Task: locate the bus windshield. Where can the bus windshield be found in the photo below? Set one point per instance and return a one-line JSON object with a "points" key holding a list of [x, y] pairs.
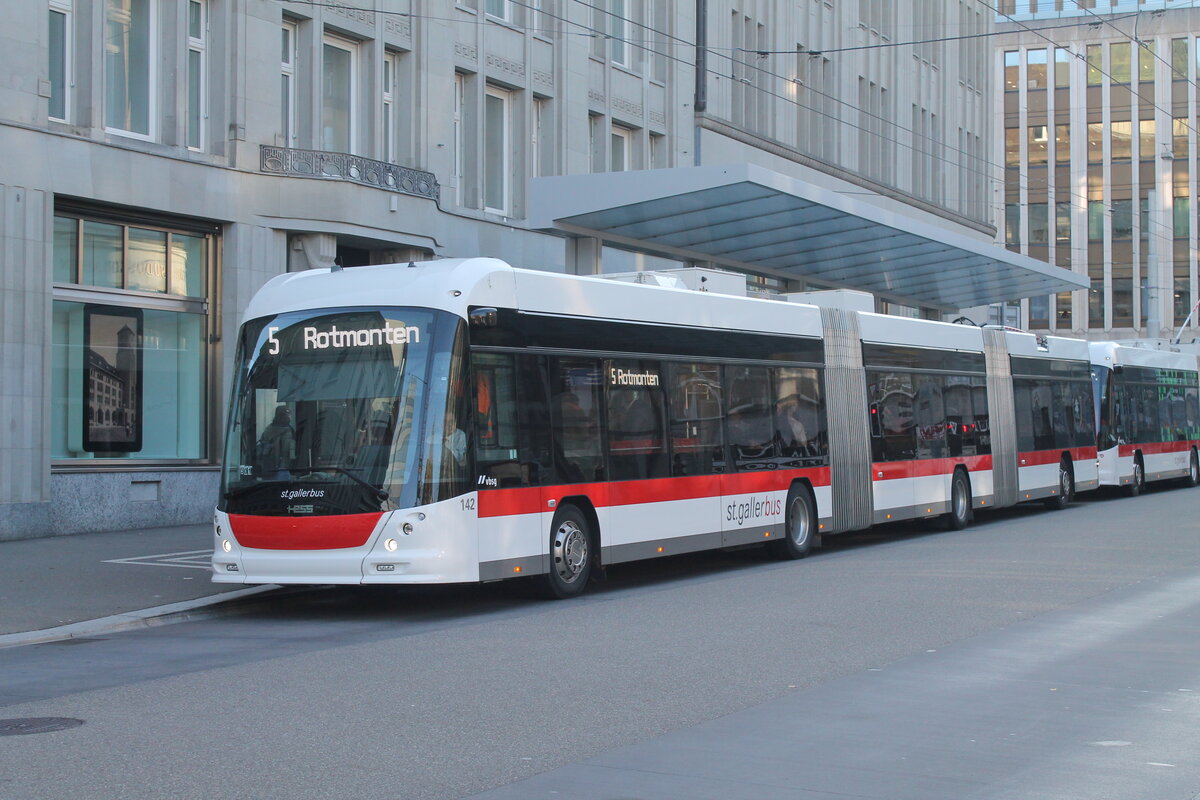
{"points": [[332, 412]]}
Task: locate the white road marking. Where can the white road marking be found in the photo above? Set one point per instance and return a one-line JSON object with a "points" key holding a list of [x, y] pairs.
{"points": [[190, 559]]}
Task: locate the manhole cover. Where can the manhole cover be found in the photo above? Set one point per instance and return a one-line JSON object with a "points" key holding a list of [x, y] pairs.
{"points": [[20, 727]]}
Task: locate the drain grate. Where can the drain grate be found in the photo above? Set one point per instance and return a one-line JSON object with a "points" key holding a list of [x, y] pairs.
{"points": [[26, 725]]}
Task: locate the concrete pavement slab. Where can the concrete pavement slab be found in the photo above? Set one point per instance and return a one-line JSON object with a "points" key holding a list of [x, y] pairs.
{"points": [[62, 581]]}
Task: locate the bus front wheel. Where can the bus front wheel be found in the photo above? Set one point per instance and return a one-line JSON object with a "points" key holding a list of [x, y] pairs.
{"points": [[570, 554], [1193, 476]]}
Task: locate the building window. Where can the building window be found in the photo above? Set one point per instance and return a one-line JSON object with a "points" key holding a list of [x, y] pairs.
{"points": [[496, 109], [1012, 224], [1120, 66], [497, 8], [338, 87], [389, 107], [1146, 139], [1035, 69], [60, 59], [618, 30], [543, 137], [1012, 70], [129, 331], [1062, 68], [1062, 144], [596, 125], [1094, 56], [658, 151], [1062, 224], [620, 149], [457, 170], [1146, 60], [197, 85], [287, 84], [129, 67]]}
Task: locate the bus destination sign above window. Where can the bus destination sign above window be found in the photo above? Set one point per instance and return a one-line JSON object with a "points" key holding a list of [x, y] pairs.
{"points": [[621, 377], [314, 339]]}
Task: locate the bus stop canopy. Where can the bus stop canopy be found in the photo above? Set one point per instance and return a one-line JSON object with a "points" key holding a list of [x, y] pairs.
{"points": [[753, 218]]}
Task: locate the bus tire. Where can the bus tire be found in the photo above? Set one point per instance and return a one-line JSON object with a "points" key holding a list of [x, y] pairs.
{"points": [[800, 525], [959, 515], [1138, 484], [1066, 487], [571, 554], [1193, 476]]}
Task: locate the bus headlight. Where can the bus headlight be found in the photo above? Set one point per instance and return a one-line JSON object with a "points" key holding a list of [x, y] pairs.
{"points": [[407, 528], [226, 545], [390, 545]]}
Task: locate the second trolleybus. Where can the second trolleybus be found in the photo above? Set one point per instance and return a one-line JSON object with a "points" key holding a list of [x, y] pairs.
{"points": [[462, 420]]}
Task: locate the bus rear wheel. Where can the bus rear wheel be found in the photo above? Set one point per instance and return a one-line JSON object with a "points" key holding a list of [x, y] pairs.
{"points": [[1193, 476], [1138, 484], [1066, 487], [959, 515], [570, 554], [800, 523]]}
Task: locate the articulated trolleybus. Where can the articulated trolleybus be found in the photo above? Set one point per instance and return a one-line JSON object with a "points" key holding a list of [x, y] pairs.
{"points": [[462, 420], [1148, 408]]}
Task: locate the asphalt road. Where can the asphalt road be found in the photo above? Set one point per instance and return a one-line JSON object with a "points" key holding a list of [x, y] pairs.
{"points": [[1030, 655]]}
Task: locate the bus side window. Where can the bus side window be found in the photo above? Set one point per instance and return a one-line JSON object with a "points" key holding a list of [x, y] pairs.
{"points": [[1023, 402], [694, 399], [750, 412], [800, 415], [637, 447], [891, 395], [512, 440], [980, 424], [575, 416], [496, 420]]}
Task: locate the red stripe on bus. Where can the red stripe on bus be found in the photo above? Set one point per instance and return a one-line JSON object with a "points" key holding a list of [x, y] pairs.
{"points": [[1156, 447], [1036, 458], [927, 467], [303, 533], [532, 500]]}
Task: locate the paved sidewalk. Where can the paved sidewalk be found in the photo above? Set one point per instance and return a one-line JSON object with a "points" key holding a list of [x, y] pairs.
{"points": [[80, 585]]}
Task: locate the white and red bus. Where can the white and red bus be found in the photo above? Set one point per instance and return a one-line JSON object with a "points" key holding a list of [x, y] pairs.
{"points": [[1148, 412], [462, 420]]}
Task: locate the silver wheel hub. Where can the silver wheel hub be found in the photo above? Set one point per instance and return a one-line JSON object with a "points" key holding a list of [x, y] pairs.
{"points": [[800, 522], [960, 500], [570, 551]]}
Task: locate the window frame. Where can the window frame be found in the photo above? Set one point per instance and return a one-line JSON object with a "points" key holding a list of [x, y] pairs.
{"points": [[65, 8], [391, 69], [505, 97], [199, 47], [624, 135], [351, 48], [287, 71], [152, 126], [196, 311], [618, 34]]}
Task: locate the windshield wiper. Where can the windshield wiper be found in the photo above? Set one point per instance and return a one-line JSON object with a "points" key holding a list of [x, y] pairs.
{"points": [[379, 493]]}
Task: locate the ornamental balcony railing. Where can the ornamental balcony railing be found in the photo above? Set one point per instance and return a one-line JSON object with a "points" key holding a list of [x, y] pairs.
{"points": [[345, 167]]}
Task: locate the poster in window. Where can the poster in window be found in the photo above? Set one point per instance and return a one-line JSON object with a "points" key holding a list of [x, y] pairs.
{"points": [[112, 380]]}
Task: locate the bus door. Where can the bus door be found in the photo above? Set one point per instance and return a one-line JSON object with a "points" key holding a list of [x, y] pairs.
{"points": [[645, 506], [891, 397], [756, 482]]}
